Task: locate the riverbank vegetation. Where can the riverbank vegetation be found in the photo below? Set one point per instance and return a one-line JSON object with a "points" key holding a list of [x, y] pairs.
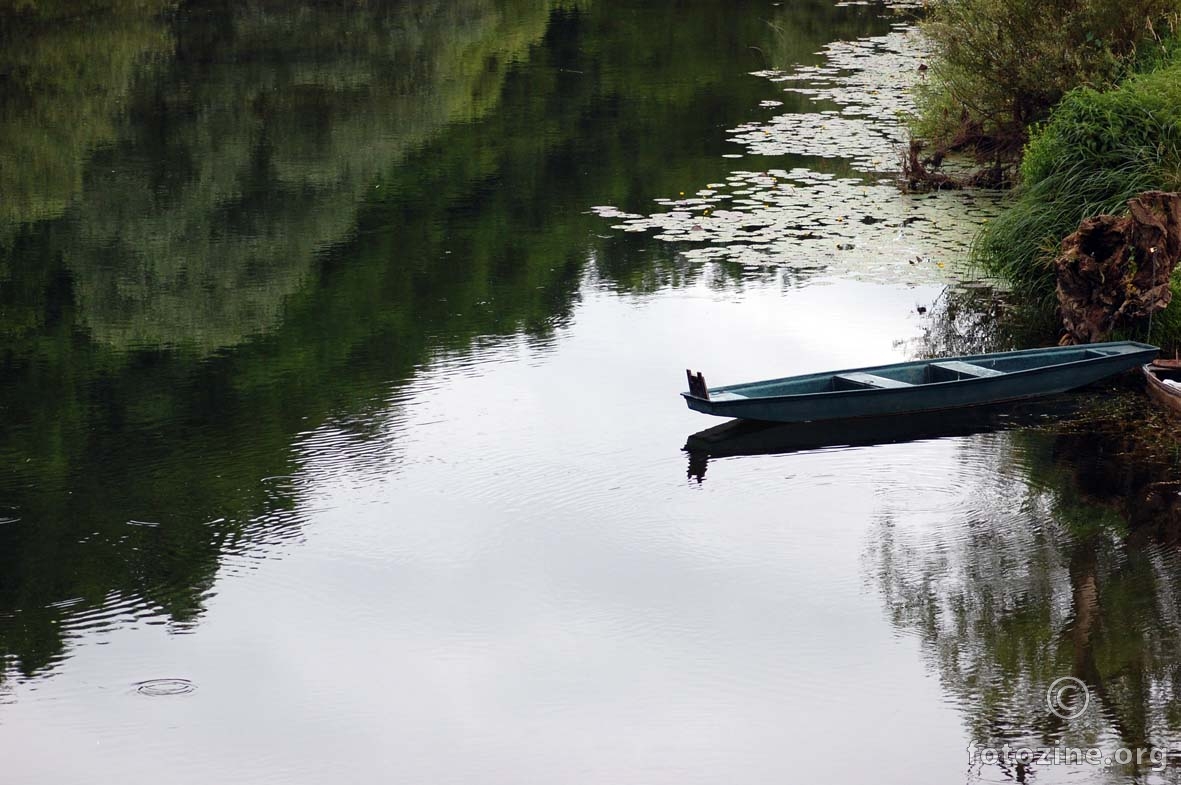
{"points": [[998, 67], [1077, 103], [1099, 149]]}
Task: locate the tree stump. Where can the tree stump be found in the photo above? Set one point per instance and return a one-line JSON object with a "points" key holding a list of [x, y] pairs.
{"points": [[1115, 269]]}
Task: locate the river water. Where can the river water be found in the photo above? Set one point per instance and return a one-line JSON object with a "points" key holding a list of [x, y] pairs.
{"points": [[339, 428]]}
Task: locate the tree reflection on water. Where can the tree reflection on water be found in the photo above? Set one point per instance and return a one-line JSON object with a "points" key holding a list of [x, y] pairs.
{"points": [[1062, 560]]}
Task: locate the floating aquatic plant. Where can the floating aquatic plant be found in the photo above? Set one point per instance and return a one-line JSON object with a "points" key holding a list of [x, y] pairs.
{"points": [[850, 220]]}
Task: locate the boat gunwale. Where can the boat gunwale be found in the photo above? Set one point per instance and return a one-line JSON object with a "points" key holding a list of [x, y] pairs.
{"points": [[914, 363]]}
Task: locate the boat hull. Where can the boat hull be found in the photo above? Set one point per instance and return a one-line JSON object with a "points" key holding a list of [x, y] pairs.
{"points": [[1046, 373], [1160, 392]]}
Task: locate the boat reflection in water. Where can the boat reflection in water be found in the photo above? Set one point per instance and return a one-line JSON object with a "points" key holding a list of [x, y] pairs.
{"points": [[746, 437]]}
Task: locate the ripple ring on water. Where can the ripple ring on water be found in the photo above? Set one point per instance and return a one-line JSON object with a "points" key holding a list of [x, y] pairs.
{"points": [[156, 688]]}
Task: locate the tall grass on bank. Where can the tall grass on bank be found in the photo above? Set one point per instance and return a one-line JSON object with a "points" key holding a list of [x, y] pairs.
{"points": [[1097, 150]]}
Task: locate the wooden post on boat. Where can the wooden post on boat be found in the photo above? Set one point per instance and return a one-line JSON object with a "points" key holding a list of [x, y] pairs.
{"points": [[697, 386]]}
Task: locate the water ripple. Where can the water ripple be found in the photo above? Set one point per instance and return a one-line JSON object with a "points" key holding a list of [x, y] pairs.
{"points": [[158, 688]]}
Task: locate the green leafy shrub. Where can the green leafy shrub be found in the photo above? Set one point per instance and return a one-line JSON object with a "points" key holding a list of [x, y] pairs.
{"points": [[1098, 150], [998, 66]]}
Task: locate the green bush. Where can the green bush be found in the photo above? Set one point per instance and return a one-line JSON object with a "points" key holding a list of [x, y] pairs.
{"points": [[998, 66], [1098, 150]]}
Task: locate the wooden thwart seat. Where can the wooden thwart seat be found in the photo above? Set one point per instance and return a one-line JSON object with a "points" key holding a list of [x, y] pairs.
{"points": [[967, 369], [868, 380]]}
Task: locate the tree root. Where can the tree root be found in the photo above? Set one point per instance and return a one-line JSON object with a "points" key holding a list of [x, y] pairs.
{"points": [[997, 155], [917, 178]]}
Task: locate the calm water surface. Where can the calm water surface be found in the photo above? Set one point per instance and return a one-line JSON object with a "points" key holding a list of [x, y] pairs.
{"points": [[340, 441]]}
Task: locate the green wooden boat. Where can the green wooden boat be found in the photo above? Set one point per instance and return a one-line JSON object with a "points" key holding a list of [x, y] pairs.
{"points": [[919, 386]]}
